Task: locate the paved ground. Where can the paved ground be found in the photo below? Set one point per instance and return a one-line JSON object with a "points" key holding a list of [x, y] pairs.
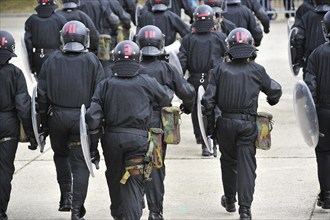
{"points": [[286, 185]]}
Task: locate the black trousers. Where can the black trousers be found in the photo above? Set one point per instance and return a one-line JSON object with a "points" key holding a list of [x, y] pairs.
{"points": [[322, 149], [238, 161], [69, 161], [7, 156], [126, 199], [155, 188]]}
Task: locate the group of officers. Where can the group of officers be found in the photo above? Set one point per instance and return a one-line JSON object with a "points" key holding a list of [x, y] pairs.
{"points": [[124, 95]]}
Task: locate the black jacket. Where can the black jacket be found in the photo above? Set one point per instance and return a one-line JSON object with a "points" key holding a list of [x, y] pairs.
{"points": [[15, 102], [124, 17], [168, 22], [235, 86], [318, 75], [200, 52]]}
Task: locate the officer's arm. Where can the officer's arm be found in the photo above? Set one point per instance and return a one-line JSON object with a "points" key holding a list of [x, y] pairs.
{"points": [[28, 43], [183, 53], [310, 77], [180, 26], [271, 88], [209, 97], [94, 34], [255, 29]]}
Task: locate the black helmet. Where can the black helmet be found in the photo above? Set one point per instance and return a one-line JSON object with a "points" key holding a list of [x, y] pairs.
{"points": [[232, 2], [7, 46], [151, 40], [127, 50], [204, 17], [240, 44], [74, 36], [69, 4], [45, 7], [219, 6], [326, 26], [159, 5]]}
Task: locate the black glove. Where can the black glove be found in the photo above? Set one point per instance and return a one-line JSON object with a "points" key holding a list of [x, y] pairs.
{"points": [[45, 132], [33, 143], [185, 109], [271, 102], [95, 156], [266, 30]]}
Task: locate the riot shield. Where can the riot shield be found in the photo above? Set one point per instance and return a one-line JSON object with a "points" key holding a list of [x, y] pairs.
{"points": [[202, 120], [175, 46], [85, 141], [292, 52], [306, 115], [174, 60], [36, 121], [26, 65]]}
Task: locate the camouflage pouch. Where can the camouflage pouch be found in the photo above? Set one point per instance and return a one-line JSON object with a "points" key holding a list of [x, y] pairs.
{"points": [[103, 51], [155, 146], [264, 127], [171, 124], [22, 136]]}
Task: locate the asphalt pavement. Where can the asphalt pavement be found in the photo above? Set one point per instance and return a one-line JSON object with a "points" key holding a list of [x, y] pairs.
{"points": [[286, 184]]}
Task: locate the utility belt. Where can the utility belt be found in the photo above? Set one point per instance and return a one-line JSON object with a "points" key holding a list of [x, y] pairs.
{"points": [[2, 140], [74, 144], [243, 117], [42, 51], [202, 76], [59, 108], [127, 130]]}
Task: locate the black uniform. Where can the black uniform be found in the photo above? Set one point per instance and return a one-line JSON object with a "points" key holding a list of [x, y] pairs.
{"points": [[76, 14], [309, 36], [168, 22], [125, 139], [106, 22], [259, 12], [68, 80], [15, 106], [130, 7], [234, 88], [42, 36], [199, 53], [306, 6], [318, 81], [165, 74], [243, 17]]}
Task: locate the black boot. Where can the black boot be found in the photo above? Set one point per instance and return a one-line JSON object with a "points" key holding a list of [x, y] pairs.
{"points": [[66, 198], [324, 200], [205, 151], [3, 216], [118, 217], [155, 216], [78, 213], [228, 203], [244, 213]]}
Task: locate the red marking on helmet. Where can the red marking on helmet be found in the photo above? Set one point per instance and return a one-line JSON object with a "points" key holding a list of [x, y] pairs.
{"points": [[127, 50], [3, 41], [158, 1], [202, 15], [241, 37], [149, 34], [212, 0], [71, 28], [44, 1]]}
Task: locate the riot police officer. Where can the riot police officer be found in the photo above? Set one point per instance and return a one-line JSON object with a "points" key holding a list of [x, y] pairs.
{"points": [[15, 108], [42, 34], [234, 88], [200, 51], [243, 17], [126, 125], [317, 79], [310, 35], [151, 42], [106, 22], [67, 80], [221, 24], [71, 12], [168, 22]]}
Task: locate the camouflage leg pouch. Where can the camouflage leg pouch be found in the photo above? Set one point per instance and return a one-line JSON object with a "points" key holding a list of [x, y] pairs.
{"points": [[155, 147], [171, 124], [264, 127]]}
